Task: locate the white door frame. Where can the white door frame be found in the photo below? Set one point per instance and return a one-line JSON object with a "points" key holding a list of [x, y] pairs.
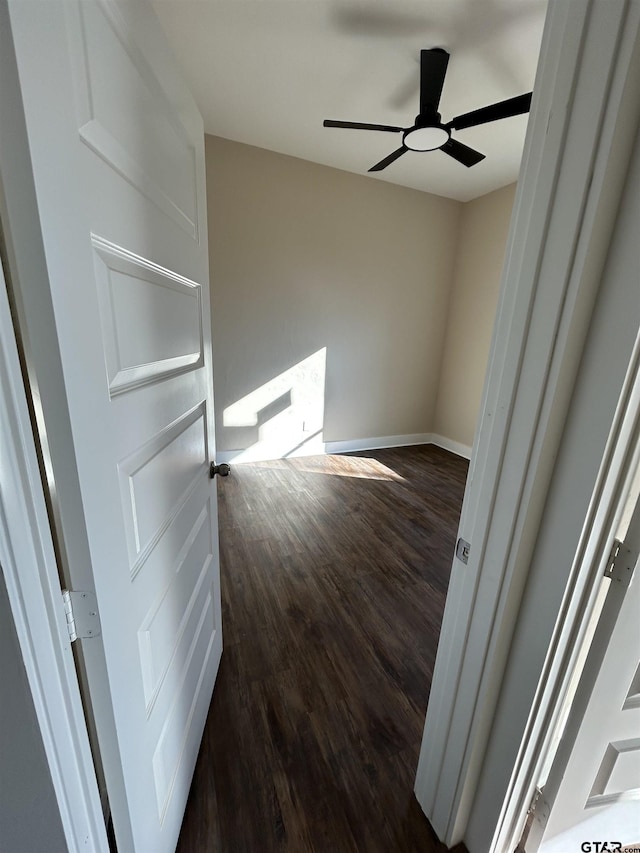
{"points": [[574, 629], [29, 566], [580, 135]]}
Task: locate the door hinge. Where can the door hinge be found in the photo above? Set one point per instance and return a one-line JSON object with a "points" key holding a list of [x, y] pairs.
{"points": [[81, 610], [463, 549], [538, 815], [620, 565]]}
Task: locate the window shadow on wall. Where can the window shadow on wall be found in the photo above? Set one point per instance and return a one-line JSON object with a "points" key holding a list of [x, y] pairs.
{"points": [[283, 417]]}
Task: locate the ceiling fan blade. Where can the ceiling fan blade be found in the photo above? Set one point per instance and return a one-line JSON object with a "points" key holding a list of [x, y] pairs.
{"points": [[433, 68], [504, 109], [462, 153], [388, 160], [357, 125]]}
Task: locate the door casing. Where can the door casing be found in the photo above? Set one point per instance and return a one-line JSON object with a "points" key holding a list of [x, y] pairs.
{"points": [[579, 141]]}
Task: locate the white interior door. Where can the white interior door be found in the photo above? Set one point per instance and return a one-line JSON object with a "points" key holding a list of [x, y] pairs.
{"points": [[594, 781], [117, 151]]}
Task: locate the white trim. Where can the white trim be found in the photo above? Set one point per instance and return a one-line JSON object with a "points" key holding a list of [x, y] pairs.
{"points": [[571, 180], [377, 443], [453, 446], [353, 445], [28, 562], [607, 504]]}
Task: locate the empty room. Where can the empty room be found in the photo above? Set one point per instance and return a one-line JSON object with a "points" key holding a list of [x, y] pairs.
{"points": [[347, 315], [319, 444], [351, 324]]}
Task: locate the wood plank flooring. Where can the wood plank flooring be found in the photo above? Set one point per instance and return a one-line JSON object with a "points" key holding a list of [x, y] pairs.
{"points": [[334, 575]]}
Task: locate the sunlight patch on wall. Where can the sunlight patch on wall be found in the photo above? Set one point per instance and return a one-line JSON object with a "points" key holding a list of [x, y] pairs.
{"points": [[285, 416]]}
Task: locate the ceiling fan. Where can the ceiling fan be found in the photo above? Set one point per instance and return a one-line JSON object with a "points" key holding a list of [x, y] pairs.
{"points": [[429, 133]]}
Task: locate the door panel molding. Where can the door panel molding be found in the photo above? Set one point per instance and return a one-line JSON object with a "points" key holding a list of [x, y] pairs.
{"points": [[622, 757], [169, 753], [181, 448], [97, 107], [130, 290], [160, 645]]}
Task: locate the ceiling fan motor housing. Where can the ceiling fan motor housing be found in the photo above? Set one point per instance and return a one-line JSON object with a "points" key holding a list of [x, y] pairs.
{"points": [[427, 134]]}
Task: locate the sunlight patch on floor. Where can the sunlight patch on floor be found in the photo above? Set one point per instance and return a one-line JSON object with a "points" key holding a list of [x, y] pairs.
{"points": [[360, 467]]}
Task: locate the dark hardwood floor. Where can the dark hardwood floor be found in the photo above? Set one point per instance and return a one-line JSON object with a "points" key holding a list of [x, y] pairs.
{"points": [[334, 575]]}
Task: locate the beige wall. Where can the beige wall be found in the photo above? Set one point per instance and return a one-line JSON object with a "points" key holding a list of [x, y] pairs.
{"points": [[305, 257], [484, 227], [396, 288]]}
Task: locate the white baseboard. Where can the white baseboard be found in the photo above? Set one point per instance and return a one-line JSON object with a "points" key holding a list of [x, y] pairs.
{"points": [[376, 443], [454, 446]]}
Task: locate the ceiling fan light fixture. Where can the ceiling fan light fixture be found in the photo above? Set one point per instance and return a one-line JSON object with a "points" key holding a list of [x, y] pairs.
{"points": [[428, 133], [425, 138]]}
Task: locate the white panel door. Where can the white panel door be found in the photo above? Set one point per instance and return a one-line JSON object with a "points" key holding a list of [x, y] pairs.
{"points": [[594, 781], [117, 150]]}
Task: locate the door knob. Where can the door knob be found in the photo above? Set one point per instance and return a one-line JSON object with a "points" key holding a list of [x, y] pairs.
{"points": [[223, 469]]}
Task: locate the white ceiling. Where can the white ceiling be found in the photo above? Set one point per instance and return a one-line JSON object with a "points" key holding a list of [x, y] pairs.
{"points": [[267, 72]]}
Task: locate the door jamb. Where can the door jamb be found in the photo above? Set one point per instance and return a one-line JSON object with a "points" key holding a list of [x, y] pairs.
{"points": [[31, 574], [612, 490]]}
